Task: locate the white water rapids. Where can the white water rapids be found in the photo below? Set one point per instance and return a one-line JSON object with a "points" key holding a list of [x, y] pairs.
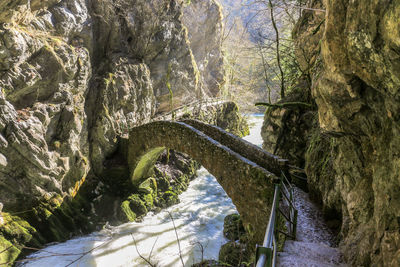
{"points": [[198, 219]]}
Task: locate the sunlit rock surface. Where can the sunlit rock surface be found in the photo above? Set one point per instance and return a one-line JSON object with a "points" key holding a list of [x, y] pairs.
{"points": [[76, 75], [204, 21]]}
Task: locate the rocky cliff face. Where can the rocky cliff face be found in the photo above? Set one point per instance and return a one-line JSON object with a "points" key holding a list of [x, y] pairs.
{"points": [[352, 158], [204, 22], [75, 75], [358, 104], [285, 131]]}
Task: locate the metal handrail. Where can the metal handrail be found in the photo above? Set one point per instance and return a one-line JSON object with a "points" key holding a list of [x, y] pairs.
{"points": [[267, 254], [270, 236]]}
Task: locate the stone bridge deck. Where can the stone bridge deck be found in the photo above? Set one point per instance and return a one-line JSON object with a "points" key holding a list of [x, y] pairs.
{"points": [[248, 150], [245, 171]]}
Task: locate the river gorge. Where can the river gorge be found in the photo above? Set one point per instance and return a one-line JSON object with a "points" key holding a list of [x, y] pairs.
{"points": [[198, 219], [109, 107]]}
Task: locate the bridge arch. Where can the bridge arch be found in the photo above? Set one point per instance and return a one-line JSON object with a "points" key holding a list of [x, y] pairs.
{"points": [[250, 186]]}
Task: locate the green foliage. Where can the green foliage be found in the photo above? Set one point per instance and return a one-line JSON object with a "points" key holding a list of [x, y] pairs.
{"points": [[319, 152], [109, 80], [290, 66]]}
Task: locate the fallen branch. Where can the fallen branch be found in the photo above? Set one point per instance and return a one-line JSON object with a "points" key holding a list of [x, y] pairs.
{"points": [[152, 248], [201, 249], [177, 239], [52, 254], [141, 256], [87, 252]]}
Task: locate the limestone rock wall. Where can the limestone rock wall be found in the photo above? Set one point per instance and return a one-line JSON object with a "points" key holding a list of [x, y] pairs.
{"points": [[358, 105], [352, 158], [204, 21], [75, 75], [44, 83], [157, 36], [285, 131]]}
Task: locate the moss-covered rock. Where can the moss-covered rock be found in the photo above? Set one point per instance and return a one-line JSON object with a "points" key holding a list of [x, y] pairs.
{"points": [[9, 253], [233, 227], [171, 176], [163, 183], [169, 198], [16, 230], [148, 186], [173, 173], [148, 200], [230, 119], [234, 254], [285, 131], [137, 205], [15, 233], [126, 213]]}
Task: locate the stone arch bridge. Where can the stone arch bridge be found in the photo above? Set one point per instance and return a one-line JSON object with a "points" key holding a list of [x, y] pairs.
{"points": [[246, 172]]}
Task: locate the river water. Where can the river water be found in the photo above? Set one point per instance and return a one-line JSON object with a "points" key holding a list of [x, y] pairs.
{"points": [[198, 220]]}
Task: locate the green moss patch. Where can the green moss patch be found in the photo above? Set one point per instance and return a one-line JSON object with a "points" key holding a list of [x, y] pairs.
{"points": [[126, 213], [8, 252], [148, 186], [16, 230], [233, 227], [146, 164]]}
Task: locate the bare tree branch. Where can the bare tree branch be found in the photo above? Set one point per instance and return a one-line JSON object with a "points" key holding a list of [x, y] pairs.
{"points": [[177, 239], [140, 255], [278, 54]]}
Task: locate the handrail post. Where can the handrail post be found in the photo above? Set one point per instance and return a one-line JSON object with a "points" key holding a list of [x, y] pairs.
{"points": [[275, 253], [295, 223], [266, 255]]}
